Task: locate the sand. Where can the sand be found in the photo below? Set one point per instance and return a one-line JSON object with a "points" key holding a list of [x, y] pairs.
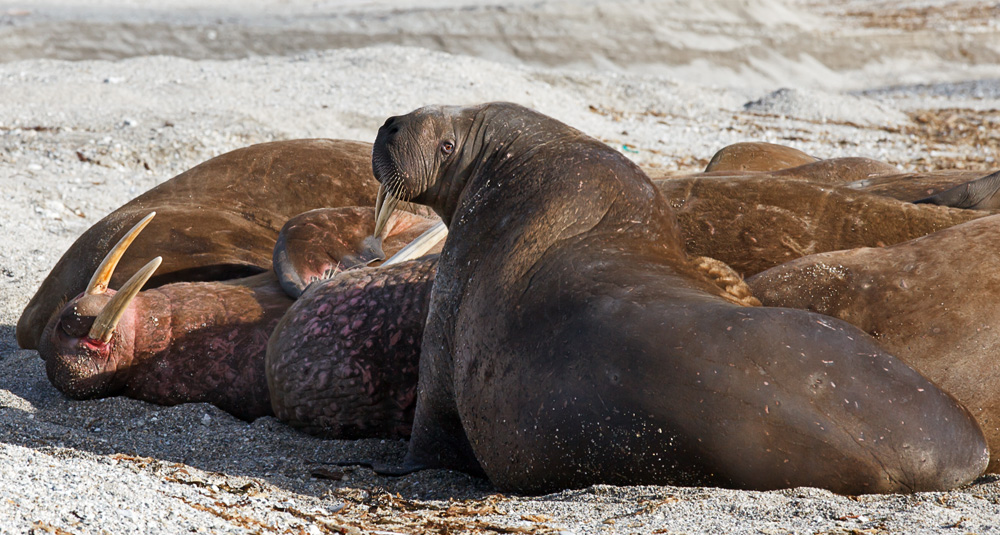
{"points": [[103, 99]]}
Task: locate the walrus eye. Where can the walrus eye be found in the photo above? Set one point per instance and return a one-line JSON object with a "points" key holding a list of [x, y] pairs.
{"points": [[447, 147]]}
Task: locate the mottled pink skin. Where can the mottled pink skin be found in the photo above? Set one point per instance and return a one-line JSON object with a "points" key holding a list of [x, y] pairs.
{"points": [[183, 342], [343, 361], [206, 341]]}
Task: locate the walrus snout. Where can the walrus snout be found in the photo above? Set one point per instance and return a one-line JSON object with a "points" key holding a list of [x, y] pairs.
{"points": [[389, 127]]}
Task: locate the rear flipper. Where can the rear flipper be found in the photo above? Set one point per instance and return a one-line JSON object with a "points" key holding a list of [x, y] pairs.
{"points": [[979, 194]]}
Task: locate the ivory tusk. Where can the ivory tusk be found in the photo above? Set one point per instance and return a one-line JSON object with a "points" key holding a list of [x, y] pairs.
{"points": [[107, 320], [99, 282], [419, 247]]}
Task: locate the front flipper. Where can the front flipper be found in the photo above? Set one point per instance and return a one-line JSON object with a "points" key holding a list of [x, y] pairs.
{"points": [[318, 244], [384, 469], [979, 194]]}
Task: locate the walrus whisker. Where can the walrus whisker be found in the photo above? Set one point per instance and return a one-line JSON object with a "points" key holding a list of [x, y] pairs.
{"points": [[99, 282], [107, 320], [419, 247], [379, 200]]}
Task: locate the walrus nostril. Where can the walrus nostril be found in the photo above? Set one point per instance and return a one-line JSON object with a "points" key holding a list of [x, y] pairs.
{"points": [[390, 127]]}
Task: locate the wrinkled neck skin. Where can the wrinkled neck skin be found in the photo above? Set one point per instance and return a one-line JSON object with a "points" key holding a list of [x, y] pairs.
{"points": [[513, 188]]}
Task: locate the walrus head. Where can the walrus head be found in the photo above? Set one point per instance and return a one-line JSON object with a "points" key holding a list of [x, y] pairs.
{"points": [[83, 346], [428, 155], [410, 154]]}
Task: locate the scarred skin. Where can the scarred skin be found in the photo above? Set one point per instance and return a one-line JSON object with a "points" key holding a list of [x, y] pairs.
{"points": [[570, 341], [183, 342], [216, 221], [196, 341], [322, 370]]}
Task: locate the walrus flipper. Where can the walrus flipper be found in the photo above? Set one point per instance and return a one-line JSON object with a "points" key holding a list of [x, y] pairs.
{"points": [[312, 247], [438, 439], [979, 194], [384, 469]]}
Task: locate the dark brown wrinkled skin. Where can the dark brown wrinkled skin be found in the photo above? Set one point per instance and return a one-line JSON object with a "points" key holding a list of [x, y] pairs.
{"points": [[343, 361], [755, 223], [204, 341], [569, 342], [930, 301], [183, 342], [757, 156], [216, 221], [312, 246]]}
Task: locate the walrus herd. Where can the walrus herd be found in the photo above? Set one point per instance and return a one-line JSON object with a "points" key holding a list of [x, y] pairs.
{"points": [[777, 320]]}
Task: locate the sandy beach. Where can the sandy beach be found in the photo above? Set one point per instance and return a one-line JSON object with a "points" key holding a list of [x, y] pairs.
{"points": [[104, 99]]}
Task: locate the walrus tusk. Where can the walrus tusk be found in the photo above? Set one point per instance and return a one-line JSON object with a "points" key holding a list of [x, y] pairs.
{"points": [[99, 282], [385, 204], [419, 247], [107, 320]]}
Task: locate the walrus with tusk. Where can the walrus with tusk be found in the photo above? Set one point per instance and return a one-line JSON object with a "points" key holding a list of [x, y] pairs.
{"points": [[207, 341], [570, 340]]}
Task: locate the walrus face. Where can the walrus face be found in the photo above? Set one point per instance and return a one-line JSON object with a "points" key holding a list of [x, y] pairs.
{"points": [[88, 341], [414, 153]]}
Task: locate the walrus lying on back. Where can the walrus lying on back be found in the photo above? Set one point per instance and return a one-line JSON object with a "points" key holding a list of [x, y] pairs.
{"points": [[570, 341]]}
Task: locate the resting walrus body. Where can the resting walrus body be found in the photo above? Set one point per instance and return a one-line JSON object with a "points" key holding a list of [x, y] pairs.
{"points": [[756, 222], [570, 341], [205, 341], [931, 301], [216, 221]]}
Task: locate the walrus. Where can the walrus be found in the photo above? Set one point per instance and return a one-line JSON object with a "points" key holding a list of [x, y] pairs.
{"points": [[570, 341], [757, 156], [206, 341], [317, 244], [216, 221], [754, 223], [872, 176], [371, 320], [930, 301], [914, 186]]}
